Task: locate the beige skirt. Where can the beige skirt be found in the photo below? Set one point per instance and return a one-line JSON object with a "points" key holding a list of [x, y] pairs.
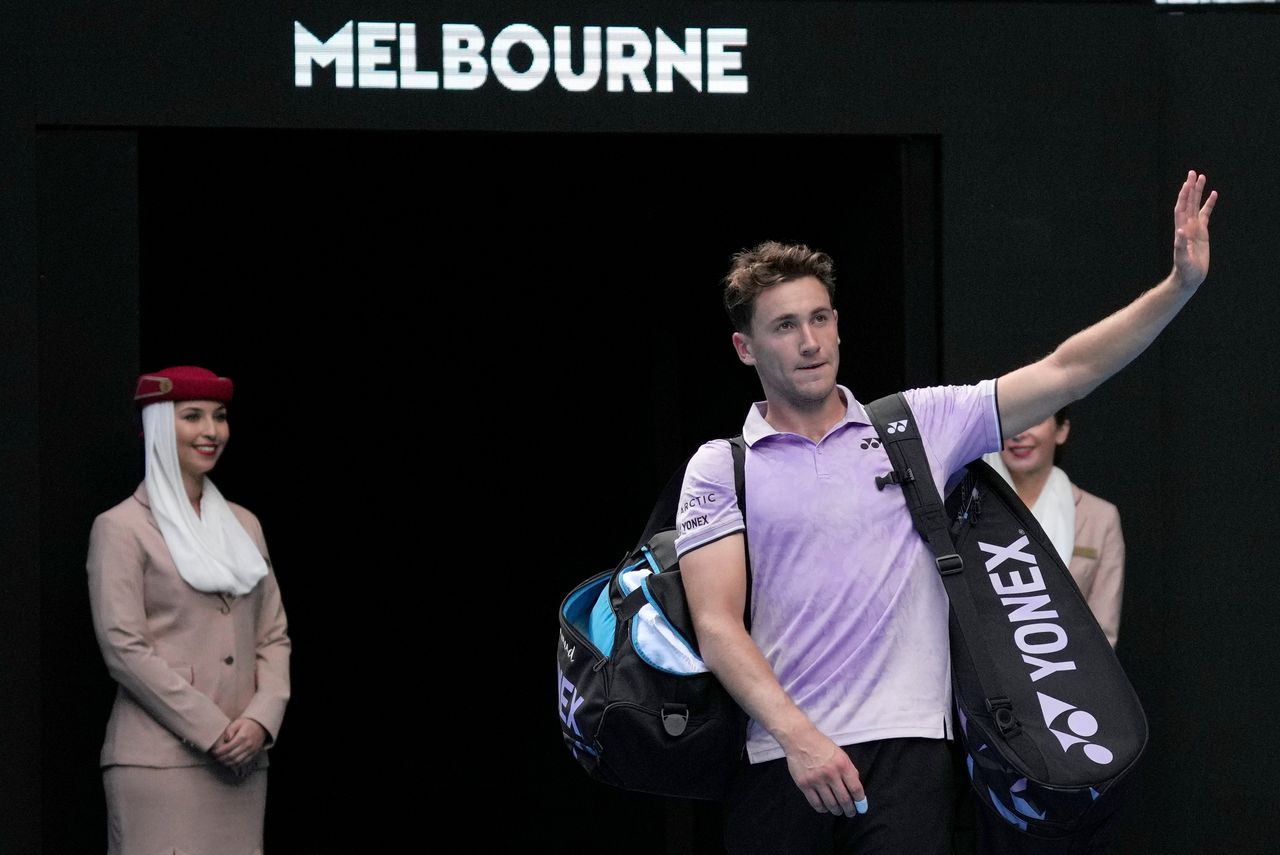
{"points": [[191, 810]]}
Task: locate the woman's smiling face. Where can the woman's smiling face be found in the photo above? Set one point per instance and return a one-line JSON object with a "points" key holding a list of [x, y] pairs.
{"points": [[202, 433], [1031, 451]]}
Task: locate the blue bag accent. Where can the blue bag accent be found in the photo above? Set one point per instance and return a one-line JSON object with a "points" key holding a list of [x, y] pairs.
{"points": [[1022, 806], [1008, 815], [603, 623], [648, 557], [574, 611]]}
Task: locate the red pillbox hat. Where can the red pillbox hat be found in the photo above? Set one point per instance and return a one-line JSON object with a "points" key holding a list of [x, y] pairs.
{"points": [[182, 383]]}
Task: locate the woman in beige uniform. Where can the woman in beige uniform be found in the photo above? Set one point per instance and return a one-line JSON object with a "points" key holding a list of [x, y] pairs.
{"points": [[188, 615]]}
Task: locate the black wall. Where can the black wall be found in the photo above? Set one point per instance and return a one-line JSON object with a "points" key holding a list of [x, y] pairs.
{"points": [[1058, 135], [583, 364]]}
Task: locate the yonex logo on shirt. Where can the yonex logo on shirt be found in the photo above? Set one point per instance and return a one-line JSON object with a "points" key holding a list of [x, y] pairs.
{"points": [[690, 525]]}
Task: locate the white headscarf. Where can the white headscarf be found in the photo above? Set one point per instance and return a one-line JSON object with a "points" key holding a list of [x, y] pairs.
{"points": [[212, 551], [1055, 508]]}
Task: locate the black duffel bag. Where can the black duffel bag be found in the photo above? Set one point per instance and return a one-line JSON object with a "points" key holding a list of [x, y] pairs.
{"points": [[638, 708]]}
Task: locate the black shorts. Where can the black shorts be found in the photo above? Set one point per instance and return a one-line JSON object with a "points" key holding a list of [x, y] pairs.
{"points": [[911, 787]]}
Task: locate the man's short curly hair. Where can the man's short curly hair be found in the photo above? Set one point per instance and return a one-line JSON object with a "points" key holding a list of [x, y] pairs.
{"points": [[754, 270]]}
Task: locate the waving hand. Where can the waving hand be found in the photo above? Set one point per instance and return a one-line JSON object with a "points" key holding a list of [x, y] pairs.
{"points": [[1191, 232]]}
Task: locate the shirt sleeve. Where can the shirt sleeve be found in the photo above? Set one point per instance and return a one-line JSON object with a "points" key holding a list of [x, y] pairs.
{"points": [[958, 424], [708, 508]]}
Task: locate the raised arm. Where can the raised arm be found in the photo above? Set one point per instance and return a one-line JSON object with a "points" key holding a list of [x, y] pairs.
{"points": [[1080, 364], [715, 581]]}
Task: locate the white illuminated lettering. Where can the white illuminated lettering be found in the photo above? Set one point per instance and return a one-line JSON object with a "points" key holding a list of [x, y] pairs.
{"points": [[461, 45], [591, 64], [338, 50], [373, 47], [627, 51], [411, 77], [386, 55], [670, 56], [721, 60], [500, 57]]}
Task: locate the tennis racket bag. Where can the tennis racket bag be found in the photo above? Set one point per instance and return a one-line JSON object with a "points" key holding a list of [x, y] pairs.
{"points": [[1049, 720], [638, 707]]}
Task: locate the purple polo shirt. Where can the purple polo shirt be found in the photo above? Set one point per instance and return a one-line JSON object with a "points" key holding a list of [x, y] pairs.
{"points": [[846, 604]]}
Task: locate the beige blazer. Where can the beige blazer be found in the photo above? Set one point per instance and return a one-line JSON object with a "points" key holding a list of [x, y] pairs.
{"points": [[1097, 562], [187, 663]]}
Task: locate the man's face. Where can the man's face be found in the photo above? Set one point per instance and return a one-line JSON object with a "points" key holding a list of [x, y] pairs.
{"points": [[793, 343]]}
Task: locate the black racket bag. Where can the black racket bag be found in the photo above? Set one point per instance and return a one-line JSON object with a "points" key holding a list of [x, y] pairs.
{"points": [[1050, 722]]}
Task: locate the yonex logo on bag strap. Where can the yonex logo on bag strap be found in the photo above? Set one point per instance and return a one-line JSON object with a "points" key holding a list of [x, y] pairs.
{"points": [[897, 427], [1080, 723]]}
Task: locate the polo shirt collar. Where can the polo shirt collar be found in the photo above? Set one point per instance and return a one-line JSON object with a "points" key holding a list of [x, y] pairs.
{"points": [[755, 428]]}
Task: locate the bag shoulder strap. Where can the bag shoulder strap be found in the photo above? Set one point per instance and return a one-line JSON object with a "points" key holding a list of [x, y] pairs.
{"points": [[665, 508], [894, 422], [739, 448]]}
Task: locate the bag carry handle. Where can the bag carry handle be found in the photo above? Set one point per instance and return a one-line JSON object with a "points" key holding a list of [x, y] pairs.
{"points": [[894, 422]]}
